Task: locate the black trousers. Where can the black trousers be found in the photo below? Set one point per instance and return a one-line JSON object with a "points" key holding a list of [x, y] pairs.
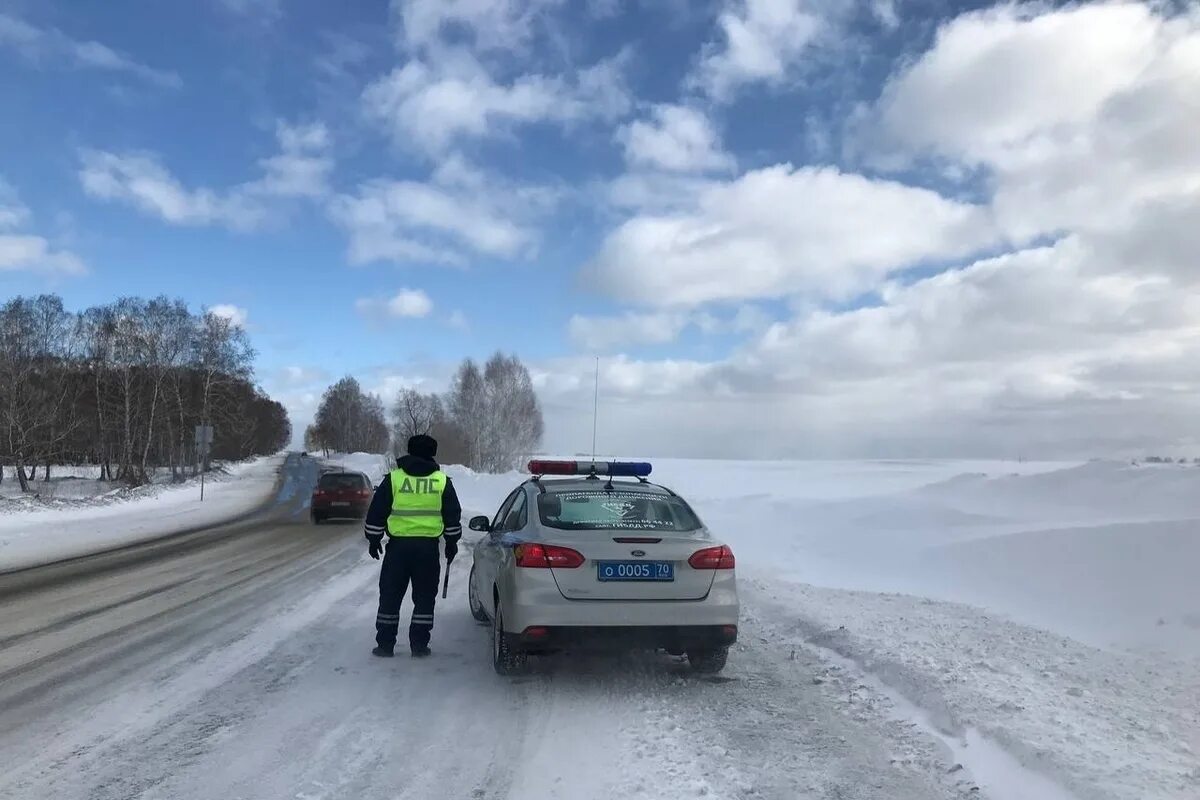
{"points": [[408, 559]]}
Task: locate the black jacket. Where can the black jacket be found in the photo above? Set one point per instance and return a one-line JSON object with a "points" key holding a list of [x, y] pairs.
{"points": [[381, 504]]}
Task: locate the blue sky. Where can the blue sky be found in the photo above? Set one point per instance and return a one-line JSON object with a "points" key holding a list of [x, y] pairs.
{"points": [[775, 206]]}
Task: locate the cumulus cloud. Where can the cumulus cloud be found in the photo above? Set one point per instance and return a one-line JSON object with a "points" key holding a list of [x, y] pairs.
{"points": [[603, 334], [236, 315], [405, 304], [1078, 123], [298, 376], [759, 41], [433, 106], [50, 46], [505, 25], [676, 139], [23, 251], [783, 230], [459, 213], [299, 170], [1080, 116]]}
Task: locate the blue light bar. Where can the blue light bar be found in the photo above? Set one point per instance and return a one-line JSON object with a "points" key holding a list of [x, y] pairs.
{"points": [[629, 469]]}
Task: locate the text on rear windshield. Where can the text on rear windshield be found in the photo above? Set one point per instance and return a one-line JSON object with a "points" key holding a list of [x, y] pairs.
{"points": [[598, 510]]}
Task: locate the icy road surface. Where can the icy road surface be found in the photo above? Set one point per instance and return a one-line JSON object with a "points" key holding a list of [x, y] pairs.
{"points": [[235, 664]]}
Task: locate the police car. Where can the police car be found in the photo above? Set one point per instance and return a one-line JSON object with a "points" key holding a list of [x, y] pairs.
{"points": [[583, 561]]}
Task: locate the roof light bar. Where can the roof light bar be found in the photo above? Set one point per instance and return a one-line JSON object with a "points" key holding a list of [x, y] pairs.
{"points": [[624, 469]]}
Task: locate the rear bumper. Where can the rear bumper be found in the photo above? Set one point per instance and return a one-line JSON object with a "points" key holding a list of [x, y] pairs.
{"points": [[625, 637], [356, 510]]}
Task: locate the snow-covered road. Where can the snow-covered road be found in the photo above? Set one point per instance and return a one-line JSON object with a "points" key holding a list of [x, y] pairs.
{"points": [[237, 665], [234, 663]]}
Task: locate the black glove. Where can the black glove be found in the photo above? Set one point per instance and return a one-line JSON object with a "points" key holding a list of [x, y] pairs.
{"points": [[375, 547], [451, 549]]}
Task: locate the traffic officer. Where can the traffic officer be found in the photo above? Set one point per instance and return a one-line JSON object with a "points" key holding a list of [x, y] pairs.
{"points": [[415, 505]]}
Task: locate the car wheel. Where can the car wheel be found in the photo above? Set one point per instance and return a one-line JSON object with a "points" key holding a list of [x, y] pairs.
{"points": [[317, 519], [506, 659], [708, 661], [477, 610]]}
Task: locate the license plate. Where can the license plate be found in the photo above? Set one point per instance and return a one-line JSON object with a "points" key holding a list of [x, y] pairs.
{"points": [[341, 503], [635, 571]]}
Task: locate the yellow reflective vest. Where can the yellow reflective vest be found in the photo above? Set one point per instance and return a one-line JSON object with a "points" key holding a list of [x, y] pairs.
{"points": [[416, 504]]}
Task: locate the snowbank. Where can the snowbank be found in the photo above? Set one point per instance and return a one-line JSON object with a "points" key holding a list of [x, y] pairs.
{"points": [[1103, 552], [1107, 726], [34, 533]]}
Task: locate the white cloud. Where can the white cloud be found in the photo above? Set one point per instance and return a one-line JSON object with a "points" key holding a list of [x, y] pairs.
{"points": [[235, 314], [1095, 116], [13, 213], [298, 376], [676, 139], [140, 180], [1053, 351], [885, 11], [1080, 123], [782, 230], [460, 213], [303, 165], [603, 334], [432, 106], [35, 254], [23, 251], [265, 11], [405, 304], [1005, 76], [656, 191], [49, 46], [760, 41], [299, 170], [458, 320], [505, 25]]}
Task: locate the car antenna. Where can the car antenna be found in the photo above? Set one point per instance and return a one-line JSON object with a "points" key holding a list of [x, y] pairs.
{"points": [[595, 408]]}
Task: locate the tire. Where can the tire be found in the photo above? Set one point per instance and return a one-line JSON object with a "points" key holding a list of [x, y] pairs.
{"points": [[317, 519], [708, 662], [506, 659], [477, 610]]}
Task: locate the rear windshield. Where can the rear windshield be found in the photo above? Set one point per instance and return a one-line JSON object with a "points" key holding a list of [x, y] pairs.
{"points": [[337, 481], [600, 510]]}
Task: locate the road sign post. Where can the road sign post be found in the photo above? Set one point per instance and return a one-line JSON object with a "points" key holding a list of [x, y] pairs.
{"points": [[204, 439]]}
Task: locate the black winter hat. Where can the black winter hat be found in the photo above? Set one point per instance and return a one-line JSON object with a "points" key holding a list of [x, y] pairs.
{"points": [[422, 446]]}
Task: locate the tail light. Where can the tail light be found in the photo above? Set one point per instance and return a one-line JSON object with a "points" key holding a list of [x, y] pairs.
{"points": [[364, 492], [545, 556], [319, 493], [712, 558]]}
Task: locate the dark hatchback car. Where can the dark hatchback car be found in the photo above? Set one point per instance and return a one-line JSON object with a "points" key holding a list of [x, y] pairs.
{"points": [[341, 495]]}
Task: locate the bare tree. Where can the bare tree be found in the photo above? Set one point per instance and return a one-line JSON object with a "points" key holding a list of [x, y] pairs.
{"points": [[513, 415], [414, 413], [125, 383], [467, 404], [349, 420], [495, 413]]}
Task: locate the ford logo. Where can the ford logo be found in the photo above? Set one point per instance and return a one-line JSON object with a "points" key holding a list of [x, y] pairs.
{"points": [[638, 553]]}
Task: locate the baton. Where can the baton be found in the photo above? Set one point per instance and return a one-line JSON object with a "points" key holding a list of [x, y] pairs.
{"points": [[446, 582]]}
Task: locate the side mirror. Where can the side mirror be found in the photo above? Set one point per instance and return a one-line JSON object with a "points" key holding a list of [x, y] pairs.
{"points": [[480, 524]]}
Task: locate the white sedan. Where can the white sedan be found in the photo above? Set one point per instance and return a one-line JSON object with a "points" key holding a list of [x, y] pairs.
{"points": [[585, 563]]}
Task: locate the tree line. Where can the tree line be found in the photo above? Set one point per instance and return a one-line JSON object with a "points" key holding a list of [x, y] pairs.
{"points": [[124, 385], [489, 420]]}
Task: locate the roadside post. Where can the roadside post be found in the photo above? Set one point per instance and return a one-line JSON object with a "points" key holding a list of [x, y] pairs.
{"points": [[204, 439]]}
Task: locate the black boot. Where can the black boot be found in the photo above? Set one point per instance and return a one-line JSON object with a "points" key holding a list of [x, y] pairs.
{"points": [[382, 652], [421, 651]]}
